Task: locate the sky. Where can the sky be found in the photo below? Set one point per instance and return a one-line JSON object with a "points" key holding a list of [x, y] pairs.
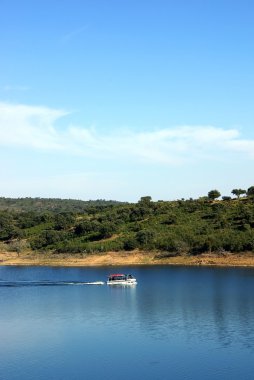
{"points": [[119, 99]]}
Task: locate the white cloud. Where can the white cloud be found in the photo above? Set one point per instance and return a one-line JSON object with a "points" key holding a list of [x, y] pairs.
{"points": [[242, 146], [35, 127], [28, 126]]}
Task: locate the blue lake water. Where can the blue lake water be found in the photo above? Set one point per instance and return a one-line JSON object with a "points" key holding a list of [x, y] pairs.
{"points": [[177, 323]]}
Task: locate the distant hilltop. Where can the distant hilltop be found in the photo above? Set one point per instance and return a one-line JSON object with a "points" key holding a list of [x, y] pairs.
{"points": [[77, 205], [52, 204]]}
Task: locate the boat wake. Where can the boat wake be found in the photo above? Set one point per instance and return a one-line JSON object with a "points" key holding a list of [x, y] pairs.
{"points": [[17, 284]]}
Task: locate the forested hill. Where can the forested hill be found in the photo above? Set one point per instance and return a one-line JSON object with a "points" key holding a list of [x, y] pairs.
{"points": [[182, 227], [51, 204]]}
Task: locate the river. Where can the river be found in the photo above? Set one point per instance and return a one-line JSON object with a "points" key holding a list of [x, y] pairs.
{"points": [[177, 323]]}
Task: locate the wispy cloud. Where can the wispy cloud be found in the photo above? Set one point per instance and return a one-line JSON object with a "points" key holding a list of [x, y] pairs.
{"points": [[73, 33], [27, 126], [35, 127]]}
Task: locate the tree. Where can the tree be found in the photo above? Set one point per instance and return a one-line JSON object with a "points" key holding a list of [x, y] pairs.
{"points": [[238, 192], [250, 192], [130, 243], [226, 198], [145, 200], [63, 220], [213, 194], [107, 230], [87, 226], [47, 237], [145, 236]]}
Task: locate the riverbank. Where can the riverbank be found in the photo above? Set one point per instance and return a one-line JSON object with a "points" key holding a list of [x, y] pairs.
{"points": [[122, 259]]}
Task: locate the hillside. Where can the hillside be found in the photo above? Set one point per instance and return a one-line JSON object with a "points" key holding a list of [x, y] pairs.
{"points": [[176, 228], [51, 204]]}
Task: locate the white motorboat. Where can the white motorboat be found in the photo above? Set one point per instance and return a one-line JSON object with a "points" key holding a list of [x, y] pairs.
{"points": [[121, 279]]}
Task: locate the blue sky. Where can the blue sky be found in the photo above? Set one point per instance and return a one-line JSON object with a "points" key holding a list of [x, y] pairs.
{"points": [[120, 99]]}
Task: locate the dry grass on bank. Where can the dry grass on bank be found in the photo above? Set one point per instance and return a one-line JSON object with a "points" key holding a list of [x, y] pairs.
{"points": [[123, 258]]}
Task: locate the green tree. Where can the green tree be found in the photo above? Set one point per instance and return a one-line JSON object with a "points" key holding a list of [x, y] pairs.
{"points": [[250, 192], [8, 230], [145, 236], [63, 220], [87, 226], [238, 192], [47, 237], [130, 243], [213, 194], [107, 230], [145, 200], [226, 198]]}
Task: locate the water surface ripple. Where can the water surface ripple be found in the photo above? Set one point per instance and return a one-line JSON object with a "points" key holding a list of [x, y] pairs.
{"points": [[177, 323]]}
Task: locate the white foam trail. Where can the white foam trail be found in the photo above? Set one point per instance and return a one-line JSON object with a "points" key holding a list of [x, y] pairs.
{"points": [[46, 283]]}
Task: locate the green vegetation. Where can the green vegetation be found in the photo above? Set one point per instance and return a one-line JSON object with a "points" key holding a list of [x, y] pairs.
{"points": [[182, 227], [52, 204], [213, 194]]}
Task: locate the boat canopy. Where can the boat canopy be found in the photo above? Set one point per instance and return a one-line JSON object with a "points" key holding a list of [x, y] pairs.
{"points": [[117, 275]]}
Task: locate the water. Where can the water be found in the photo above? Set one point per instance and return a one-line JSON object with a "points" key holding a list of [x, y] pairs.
{"points": [[177, 323]]}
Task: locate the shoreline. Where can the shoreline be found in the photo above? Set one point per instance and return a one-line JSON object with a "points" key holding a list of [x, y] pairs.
{"points": [[123, 259]]}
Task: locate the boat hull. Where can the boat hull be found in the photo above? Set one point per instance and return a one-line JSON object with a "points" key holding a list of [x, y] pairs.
{"points": [[120, 282]]}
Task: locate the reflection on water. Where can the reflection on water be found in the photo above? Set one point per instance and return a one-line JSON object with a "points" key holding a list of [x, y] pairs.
{"points": [[203, 303], [173, 321]]}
